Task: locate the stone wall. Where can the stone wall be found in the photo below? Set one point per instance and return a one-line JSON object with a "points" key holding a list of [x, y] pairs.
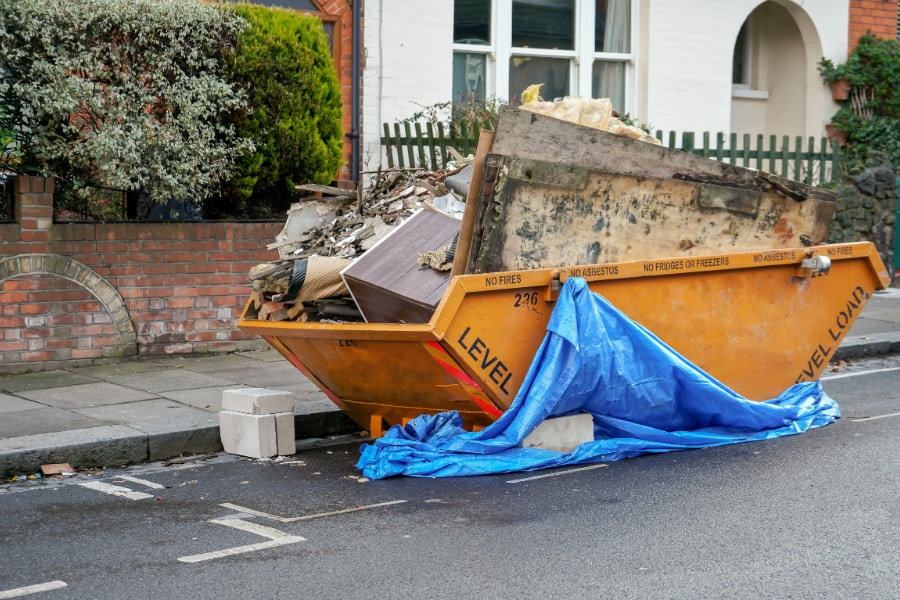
{"points": [[75, 294], [867, 209]]}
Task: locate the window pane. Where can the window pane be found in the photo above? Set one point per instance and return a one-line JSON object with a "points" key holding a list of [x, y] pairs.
{"points": [[739, 60], [543, 24], [608, 81], [612, 26], [472, 22], [552, 72], [468, 77], [329, 31]]}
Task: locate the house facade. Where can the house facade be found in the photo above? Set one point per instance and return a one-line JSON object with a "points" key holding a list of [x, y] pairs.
{"points": [[742, 66]]}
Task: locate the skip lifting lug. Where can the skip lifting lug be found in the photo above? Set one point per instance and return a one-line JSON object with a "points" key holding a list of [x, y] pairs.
{"points": [[555, 286], [815, 266]]}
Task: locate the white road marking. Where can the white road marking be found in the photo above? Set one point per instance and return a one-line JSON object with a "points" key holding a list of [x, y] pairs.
{"points": [[896, 414], [33, 589], [858, 373], [115, 490], [276, 538], [143, 482], [259, 513], [556, 474]]}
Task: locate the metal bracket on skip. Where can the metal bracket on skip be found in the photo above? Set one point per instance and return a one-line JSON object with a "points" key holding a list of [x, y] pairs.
{"points": [[815, 266]]}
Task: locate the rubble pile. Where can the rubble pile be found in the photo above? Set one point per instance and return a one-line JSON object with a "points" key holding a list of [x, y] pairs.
{"points": [[340, 226]]}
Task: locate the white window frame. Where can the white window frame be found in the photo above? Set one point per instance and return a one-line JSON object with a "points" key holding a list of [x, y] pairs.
{"points": [[749, 88], [500, 51]]}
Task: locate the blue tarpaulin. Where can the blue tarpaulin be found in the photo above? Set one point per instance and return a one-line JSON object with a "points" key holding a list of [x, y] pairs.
{"points": [[643, 396]]}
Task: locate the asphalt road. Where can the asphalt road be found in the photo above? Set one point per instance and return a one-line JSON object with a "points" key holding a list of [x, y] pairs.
{"points": [[809, 516]]}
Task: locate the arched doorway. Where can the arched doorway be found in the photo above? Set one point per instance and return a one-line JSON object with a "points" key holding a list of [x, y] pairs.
{"points": [[772, 90]]}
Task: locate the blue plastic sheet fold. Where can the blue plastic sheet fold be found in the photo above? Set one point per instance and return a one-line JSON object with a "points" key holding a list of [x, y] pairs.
{"points": [[643, 397]]}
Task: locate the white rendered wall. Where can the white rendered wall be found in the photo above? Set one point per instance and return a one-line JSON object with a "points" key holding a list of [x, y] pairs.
{"points": [[689, 52], [408, 64], [684, 58]]}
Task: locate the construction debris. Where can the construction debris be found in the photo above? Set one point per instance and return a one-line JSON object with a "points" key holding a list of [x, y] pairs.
{"points": [[389, 282], [559, 183], [57, 469], [596, 113], [440, 259], [322, 235]]}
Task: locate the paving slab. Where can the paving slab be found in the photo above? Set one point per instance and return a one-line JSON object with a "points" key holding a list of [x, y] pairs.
{"points": [[124, 368], [204, 398], [873, 324], [15, 404], [142, 411], [311, 406], [263, 375], [43, 420], [86, 395], [44, 379], [306, 391], [267, 355], [169, 380], [205, 364]]}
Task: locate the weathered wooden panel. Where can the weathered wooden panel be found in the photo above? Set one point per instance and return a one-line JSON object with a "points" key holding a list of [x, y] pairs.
{"points": [[548, 214], [525, 134]]}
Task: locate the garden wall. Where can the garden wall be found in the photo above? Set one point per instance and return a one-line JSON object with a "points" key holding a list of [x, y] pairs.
{"points": [[75, 294], [866, 209]]}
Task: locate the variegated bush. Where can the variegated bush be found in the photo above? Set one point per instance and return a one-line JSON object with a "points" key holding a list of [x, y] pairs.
{"points": [[124, 94]]}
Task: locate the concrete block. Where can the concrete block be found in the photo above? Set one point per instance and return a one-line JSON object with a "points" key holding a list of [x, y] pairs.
{"points": [[257, 401], [562, 434], [284, 434], [248, 435]]}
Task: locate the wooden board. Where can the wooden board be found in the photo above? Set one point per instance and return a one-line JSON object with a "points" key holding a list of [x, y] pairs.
{"points": [[461, 259], [525, 134], [387, 282], [539, 214]]}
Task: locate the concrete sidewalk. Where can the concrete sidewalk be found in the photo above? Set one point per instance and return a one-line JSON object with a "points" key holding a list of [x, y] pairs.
{"points": [[146, 410], [160, 408]]}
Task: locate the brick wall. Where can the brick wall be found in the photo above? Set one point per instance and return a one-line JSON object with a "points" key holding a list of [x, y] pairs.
{"points": [[878, 17], [79, 293]]}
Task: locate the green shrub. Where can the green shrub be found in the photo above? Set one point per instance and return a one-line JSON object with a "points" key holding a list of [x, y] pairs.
{"points": [[123, 94], [284, 63], [871, 117]]}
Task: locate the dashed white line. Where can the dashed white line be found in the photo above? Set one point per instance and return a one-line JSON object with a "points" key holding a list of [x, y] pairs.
{"points": [[858, 373], [557, 473], [889, 415], [276, 538], [259, 513], [33, 589], [115, 490], [143, 482]]}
